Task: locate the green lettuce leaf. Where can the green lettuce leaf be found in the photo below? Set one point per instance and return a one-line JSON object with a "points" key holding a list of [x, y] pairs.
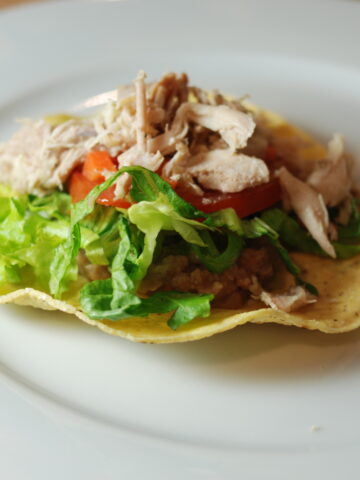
{"points": [[257, 227], [32, 232], [147, 185], [29, 236], [296, 237], [56, 205], [226, 218], [116, 298], [290, 232], [344, 250], [351, 231], [159, 208], [40, 234], [97, 302], [186, 306], [215, 260]]}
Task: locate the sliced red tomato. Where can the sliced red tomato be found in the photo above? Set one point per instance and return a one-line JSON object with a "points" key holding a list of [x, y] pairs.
{"points": [[91, 174], [95, 163], [270, 154], [107, 199], [80, 186], [172, 183], [245, 203]]}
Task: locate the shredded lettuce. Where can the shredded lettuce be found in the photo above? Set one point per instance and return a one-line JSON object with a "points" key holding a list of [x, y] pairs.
{"points": [[218, 261], [297, 238], [29, 236], [32, 232], [290, 231], [351, 231], [116, 298], [257, 227], [40, 239], [159, 208]]}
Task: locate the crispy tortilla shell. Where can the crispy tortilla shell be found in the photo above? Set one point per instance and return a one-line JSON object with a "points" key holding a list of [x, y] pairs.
{"points": [[336, 311]]}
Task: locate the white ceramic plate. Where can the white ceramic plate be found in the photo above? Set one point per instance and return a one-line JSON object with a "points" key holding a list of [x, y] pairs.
{"points": [[257, 402]]}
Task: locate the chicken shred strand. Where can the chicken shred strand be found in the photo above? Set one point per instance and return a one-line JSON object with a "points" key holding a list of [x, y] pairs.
{"points": [[309, 207], [331, 177], [289, 301]]}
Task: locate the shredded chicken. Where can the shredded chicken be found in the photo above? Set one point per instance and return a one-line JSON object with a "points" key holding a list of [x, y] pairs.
{"points": [[227, 172], [176, 169], [235, 127], [141, 113], [212, 168], [143, 125], [203, 140], [39, 158], [168, 94], [310, 208], [138, 154], [331, 177], [295, 298], [135, 156]]}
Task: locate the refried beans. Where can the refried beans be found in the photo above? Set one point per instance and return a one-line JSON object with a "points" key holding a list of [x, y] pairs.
{"points": [[230, 288]]}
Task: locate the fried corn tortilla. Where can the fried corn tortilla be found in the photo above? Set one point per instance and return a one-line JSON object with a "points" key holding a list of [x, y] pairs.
{"points": [[337, 309]]}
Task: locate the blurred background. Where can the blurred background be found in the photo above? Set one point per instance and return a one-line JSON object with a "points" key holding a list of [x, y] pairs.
{"points": [[10, 3]]}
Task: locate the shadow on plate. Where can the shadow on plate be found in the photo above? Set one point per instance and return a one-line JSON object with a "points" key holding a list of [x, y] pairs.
{"points": [[251, 351], [39, 318], [266, 352]]}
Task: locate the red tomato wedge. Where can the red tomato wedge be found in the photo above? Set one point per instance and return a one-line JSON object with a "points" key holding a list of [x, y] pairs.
{"points": [[84, 180], [172, 183], [107, 199], [80, 186], [95, 164], [245, 203]]}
